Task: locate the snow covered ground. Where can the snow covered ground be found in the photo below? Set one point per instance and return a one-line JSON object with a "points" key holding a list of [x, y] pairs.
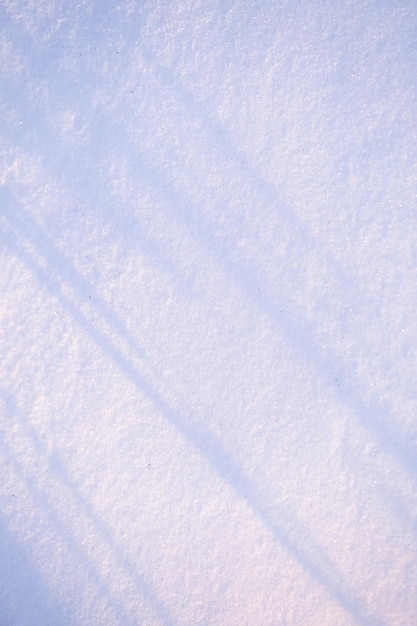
{"points": [[208, 278]]}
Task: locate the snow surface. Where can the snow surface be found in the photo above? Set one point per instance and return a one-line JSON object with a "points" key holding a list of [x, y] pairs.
{"points": [[208, 286]]}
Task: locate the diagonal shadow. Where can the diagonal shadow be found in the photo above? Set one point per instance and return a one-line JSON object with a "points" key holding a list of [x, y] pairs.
{"points": [[374, 416], [75, 167], [217, 136], [288, 532], [30, 128], [45, 503], [256, 288], [22, 589], [65, 272]]}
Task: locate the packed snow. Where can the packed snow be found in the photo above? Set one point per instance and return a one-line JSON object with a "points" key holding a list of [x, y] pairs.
{"points": [[208, 278]]}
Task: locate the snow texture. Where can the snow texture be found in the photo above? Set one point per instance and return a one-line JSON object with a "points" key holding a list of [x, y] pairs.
{"points": [[208, 286]]}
